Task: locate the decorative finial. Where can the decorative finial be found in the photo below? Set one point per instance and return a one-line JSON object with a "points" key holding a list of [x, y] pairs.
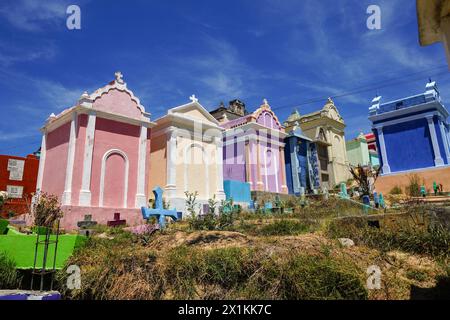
{"points": [[193, 98], [85, 95], [119, 77], [265, 102]]}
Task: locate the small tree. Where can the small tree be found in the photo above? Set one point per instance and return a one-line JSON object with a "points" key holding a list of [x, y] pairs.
{"points": [[3, 198], [212, 204], [191, 202], [46, 210], [365, 177]]}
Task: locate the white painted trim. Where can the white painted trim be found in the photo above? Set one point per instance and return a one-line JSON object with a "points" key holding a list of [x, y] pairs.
{"points": [[220, 193], [85, 192], [444, 140], [186, 164], [254, 137], [276, 169], [171, 167], [41, 162], [386, 168], [415, 170], [438, 161], [266, 179], [141, 199], [102, 175], [67, 195], [197, 106], [66, 115], [403, 111], [255, 126], [120, 87], [406, 119]]}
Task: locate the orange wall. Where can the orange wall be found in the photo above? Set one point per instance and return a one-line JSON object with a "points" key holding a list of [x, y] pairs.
{"points": [[385, 184], [158, 164]]}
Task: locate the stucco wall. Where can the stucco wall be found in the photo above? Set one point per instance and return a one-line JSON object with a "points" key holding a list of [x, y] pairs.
{"points": [[158, 164], [56, 160], [439, 175], [113, 135], [118, 102], [408, 145]]}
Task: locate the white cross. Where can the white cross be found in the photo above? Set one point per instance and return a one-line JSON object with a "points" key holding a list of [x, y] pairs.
{"points": [[119, 76], [193, 98]]}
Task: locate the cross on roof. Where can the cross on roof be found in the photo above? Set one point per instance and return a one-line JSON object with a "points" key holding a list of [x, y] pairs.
{"points": [[119, 76], [193, 98]]}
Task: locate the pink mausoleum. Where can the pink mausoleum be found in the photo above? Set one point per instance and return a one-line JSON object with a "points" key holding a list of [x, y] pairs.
{"points": [[94, 156]]}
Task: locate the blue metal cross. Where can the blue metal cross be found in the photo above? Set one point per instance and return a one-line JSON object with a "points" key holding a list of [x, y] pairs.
{"points": [[159, 212]]}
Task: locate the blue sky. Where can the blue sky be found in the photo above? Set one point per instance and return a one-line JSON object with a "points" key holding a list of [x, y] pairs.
{"points": [[289, 52]]}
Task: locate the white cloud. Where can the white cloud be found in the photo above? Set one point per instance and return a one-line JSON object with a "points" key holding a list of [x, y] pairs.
{"points": [[31, 15]]}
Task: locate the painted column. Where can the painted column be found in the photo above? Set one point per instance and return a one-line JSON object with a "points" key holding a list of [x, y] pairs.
{"points": [[282, 167], [141, 199], [220, 193], [171, 186], [41, 162], [67, 195], [386, 168], [294, 166], [437, 153], [248, 177], [444, 140], [259, 184], [85, 192]]}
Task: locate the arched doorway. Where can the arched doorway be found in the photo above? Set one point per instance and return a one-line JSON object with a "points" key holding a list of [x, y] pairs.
{"points": [[114, 179]]}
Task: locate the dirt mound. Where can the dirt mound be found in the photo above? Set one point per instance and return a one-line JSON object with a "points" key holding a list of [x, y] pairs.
{"points": [[203, 239]]}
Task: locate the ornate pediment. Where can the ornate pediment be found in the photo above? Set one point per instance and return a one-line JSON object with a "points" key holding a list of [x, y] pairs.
{"points": [[330, 111]]}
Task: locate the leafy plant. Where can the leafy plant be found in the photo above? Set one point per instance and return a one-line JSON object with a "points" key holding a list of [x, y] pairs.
{"points": [[9, 278], [413, 187], [191, 203], [396, 190]]}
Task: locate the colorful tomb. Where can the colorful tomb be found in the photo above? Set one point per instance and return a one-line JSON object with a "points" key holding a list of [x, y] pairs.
{"points": [[373, 151], [358, 151], [302, 163], [253, 151], [94, 156], [412, 133], [326, 128], [186, 155]]}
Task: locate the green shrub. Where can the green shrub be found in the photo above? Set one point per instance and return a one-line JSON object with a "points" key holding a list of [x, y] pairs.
{"points": [[3, 226], [434, 241], [416, 275], [303, 277], [396, 190], [9, 278], [413, 188], [284, 228]]}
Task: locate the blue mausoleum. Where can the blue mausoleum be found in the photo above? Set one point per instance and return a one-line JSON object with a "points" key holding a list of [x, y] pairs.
{"points": [[411, 133], [301, 159]]}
